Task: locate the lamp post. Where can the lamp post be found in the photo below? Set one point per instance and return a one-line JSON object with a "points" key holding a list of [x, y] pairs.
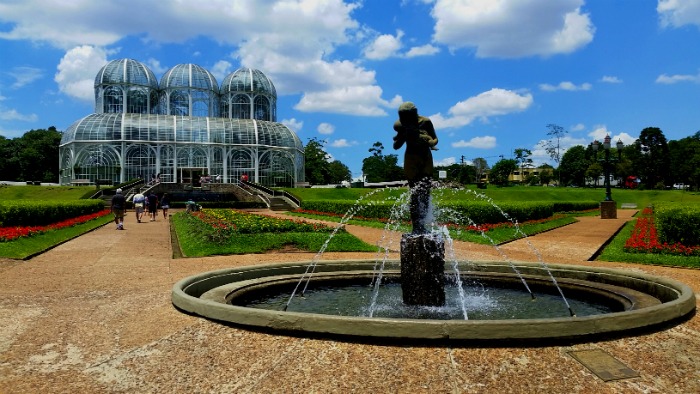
{"points": [[608, 207]]}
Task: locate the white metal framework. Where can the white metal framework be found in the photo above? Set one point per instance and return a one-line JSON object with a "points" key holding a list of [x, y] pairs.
{"points": [[173, 129]]}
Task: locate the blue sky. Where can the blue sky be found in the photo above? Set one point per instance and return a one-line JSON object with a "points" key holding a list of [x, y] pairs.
{"points": [[491, 74]]}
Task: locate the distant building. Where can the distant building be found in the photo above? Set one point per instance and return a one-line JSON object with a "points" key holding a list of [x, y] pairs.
{"points": [[182, 128]]}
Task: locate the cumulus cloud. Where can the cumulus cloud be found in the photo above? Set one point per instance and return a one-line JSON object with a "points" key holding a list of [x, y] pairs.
{"points": [[485, 142], [221, 69], [566, 85], [512, 28], [342, 143], [677, 78], [76, 71], [384, 46], [293, 124], [578, 127], [423, 50], [325, 128], [495, 102], [676, 13], [446, 162]]}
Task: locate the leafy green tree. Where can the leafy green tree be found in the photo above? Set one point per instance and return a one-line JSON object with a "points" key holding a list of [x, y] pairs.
{"points": [[380, 167], [481, 167], [652, 161], [338, 172], [32, 157], [573, 166], [594, 171], [501, 170], [457, 172], [316, 162], [546, 173], [685, 160]]}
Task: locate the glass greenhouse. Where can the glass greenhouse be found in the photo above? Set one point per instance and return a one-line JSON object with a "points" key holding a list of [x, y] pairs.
{"points": [[180, 129]]}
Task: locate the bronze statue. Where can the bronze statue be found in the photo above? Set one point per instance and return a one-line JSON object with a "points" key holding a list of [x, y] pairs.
{"points": [[418, 133]]}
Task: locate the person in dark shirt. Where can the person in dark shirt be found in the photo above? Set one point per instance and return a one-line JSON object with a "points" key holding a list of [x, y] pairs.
{"points": [[165, 205], [153, 206], [118, 206]]}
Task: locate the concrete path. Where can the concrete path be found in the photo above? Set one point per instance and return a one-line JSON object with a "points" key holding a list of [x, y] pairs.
{"points": [[94, 316]]}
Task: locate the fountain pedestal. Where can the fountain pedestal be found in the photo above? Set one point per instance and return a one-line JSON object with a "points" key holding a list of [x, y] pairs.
{"points": [[423, 269]]}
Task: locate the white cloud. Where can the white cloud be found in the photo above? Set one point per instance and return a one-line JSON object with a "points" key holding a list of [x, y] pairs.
{"points": [[342, 143], [12, 114], [566, 85], [610, 79], [494, 102], [155, 66], [423, 50], [512, 28], [600, 131], [349, 100], [24, 76], [325, 128], [221, 69], [75, 76], [293, 124], [671, 79], [446, 162], [485, 142], [578, 127], [384, 46], [676, 13]]}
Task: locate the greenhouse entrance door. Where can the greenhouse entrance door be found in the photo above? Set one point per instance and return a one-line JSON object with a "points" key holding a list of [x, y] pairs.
{"points": [[192, 176]]}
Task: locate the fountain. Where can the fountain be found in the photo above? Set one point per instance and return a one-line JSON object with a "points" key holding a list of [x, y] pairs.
{"points": [[608, 302]]}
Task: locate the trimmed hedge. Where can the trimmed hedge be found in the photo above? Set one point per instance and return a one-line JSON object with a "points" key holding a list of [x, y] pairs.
{"points": [[480, 212], [678, 223], [39, 213], [222, 204]]}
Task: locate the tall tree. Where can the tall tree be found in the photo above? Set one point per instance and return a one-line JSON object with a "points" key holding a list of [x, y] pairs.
{"points": [[523, 160], [380, 167], [553, 145], [573, 166], [501, 170], [316, 162], [338, 172], [685, 161], [481, 166], [653, 161]]}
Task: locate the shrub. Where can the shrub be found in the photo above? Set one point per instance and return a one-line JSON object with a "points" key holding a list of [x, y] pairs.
{"points": [[37, 213], [677, 223]]}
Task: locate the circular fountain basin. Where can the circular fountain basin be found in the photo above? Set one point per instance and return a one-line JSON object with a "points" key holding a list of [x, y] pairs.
{"points": [[632, 301]]}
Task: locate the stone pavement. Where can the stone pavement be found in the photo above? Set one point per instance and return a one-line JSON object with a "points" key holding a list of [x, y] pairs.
{"points": [[94, 316]]}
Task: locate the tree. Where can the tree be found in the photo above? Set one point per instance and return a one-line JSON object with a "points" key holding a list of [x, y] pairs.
{"points": [[573, 166], [338, 172], [522, 158], [546, 173], [594, 172], [480, 167], [316, 162], [653, 162], [32, 157], [460, 173], [380, 167], [320, 168], [685, 161], [553, 145], [501, 170]]}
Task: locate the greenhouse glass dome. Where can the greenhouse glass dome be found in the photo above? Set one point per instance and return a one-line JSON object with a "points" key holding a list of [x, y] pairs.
{"points": [[180, 129]]}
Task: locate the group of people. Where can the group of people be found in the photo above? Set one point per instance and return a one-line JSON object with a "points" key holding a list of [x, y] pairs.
{"points": [[142, 203]]}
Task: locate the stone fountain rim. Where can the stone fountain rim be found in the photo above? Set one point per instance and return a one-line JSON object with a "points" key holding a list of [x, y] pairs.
{"points": [[363, 327]]}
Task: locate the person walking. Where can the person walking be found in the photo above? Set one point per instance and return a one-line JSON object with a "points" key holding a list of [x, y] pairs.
{"points": [[139, 202], [153, 206], [118, 206], [165, 205]]}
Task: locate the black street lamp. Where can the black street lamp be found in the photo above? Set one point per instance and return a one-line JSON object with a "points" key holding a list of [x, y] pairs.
{"points": [[608, 208]]}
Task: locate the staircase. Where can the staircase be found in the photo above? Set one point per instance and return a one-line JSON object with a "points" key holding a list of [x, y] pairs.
{"points": [[281, 204]]}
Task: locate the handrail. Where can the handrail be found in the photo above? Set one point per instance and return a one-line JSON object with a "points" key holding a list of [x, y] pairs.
{"points": [[272, 192]]}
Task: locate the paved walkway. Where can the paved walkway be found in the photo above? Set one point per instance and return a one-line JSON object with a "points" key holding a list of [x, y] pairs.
{"points": [[94, 315]]}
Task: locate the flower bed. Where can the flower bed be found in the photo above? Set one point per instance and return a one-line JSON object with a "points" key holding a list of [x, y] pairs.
{"points": [[644, 239], [11, 233], [238, 222]]}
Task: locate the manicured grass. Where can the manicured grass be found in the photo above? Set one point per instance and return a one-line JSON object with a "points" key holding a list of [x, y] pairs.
{"points": [[196, 240], [23, 248], [43, 193], [615, 252]]}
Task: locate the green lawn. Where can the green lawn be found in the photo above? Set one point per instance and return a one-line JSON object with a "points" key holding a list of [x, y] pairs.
{"points": [[44, 193]]}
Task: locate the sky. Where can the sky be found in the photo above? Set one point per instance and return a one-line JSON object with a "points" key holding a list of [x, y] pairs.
{"points": [[490, 74]]}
